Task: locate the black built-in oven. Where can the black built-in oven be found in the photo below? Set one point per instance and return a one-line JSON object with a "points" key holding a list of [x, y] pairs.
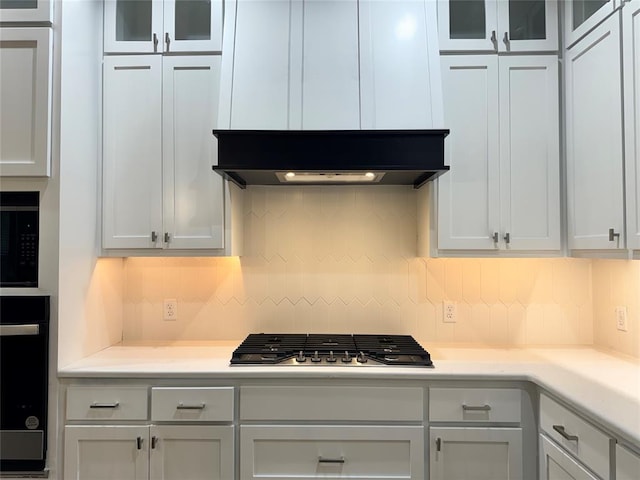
{"points": [[24, 365], [19, 217]]}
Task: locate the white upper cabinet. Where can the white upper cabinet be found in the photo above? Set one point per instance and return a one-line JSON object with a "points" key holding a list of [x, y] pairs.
{"points": [[26, 10], [503, 190], [631, 78], [156, 26], [25, 99], [595, 182], [498, 25], [580, 16]]}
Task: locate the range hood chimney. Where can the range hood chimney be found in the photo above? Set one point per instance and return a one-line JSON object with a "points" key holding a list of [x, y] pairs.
{"points": [[330, 92]]}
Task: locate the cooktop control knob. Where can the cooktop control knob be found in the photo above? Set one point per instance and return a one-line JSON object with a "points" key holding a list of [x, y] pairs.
{"points": [[331, 358], [361, 358], [301, 358], [316, 358], [347, 358]]}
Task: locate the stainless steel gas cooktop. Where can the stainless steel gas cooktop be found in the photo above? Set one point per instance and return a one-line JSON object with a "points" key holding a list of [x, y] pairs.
{"points": [[331, 350]]}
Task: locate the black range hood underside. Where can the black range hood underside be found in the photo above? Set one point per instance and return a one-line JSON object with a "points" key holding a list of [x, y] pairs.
{"points": [[406, 157]]}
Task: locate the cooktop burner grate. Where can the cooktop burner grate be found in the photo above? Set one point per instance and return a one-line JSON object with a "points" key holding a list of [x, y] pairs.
{"points": [[329, 349]]}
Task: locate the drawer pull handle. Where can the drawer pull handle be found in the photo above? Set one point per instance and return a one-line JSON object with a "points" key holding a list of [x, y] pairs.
{"points": [[104, 405], [139, 443], [331, 460], [476, 408], [560, 429], [182, 406]]}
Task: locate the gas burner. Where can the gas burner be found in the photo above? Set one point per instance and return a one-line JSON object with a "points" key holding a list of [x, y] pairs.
{"points": [[331, 350]]}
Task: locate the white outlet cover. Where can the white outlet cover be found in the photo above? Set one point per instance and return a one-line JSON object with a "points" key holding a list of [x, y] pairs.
{"points": [[621, 319], [449, 312], [170, 309]]}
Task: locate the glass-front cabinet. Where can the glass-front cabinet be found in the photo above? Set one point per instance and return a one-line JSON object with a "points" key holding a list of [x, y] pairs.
{"points": [[26, 10], [156, 26], [583, 15], [498, 25]]}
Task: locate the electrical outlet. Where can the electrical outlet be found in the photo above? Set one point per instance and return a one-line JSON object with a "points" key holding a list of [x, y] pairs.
{"points": [[170, 309], [621, 318], [449, 311]]}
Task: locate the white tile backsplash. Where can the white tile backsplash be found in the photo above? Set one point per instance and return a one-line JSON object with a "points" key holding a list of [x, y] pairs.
{"points": [[325, 259]]}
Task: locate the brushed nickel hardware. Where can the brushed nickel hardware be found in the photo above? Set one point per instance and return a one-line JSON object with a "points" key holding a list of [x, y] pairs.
{"points": [[155, 43], [14, 330], [438, 444], [613, 235], [182, 406], [507, 238], [167, 40], [476, 408], [167, 237], [494, 39], [139, 443], [560, 429], [154, 441], [154, 237], [496, 237], [104, 405], [331, 460], [506, 40]]}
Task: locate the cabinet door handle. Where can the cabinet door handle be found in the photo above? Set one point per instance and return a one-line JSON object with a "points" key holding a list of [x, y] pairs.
{"points": [[139, 443], [613, 235], [154, 441], [167, 237], [438, 444], [331, 460], [476, 408], [506, 40], [104, 405], [494, 40], [495, 237], [182, 406], [155, 43], [507, 238], [560, 429], [154, 236], [167, 40]]}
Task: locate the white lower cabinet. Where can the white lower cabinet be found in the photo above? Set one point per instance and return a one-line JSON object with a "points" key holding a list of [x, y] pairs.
{"points": [[627, 464], [159, 190], [346, 451], [556, 464], [475, 453]]}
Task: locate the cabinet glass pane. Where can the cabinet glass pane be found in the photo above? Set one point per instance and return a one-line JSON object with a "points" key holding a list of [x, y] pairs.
{"points": [[193, 20], [133, 20], [583, 9], [467, 19], [527, 20], [18, 4]]}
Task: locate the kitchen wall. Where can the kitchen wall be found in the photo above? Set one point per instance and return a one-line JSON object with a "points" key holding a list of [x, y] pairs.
{"points": [[326, 259]]}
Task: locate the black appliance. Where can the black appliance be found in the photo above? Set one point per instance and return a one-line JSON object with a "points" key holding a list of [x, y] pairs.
{"points": [[330, 157], [331, 350], [24, 368], [19, 217]]}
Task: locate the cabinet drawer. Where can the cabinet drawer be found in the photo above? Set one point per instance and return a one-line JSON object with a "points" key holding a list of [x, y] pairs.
{"points": [[332, 403], [107, 403], [578, 437], [303, 451], [213, 404], [475, 405]]}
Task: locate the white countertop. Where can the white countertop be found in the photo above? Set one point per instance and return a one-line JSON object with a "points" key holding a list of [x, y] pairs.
{"points": [[604, 386]]}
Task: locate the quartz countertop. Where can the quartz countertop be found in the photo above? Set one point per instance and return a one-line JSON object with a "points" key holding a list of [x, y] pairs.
{"points": [[603, 385]]}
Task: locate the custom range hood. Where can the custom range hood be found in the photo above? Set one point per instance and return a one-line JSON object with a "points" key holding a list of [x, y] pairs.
{"points": [[330, 92], [330, 157]]}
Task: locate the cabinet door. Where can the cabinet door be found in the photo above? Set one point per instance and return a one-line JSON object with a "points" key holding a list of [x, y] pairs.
{"points": [[627, 464], [106, 452], [527, 26], [133, 26], [466, 453], [580, 16], [25, 96], [556, 464], [468, 196], [631, 62], [399, 65], [594, 140], [260, 93], [192, 26], [26, 11], [529, 153], [193, 193], [298, 452], [326, 66], [191, 452], [132, 152], [468, 25]]}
